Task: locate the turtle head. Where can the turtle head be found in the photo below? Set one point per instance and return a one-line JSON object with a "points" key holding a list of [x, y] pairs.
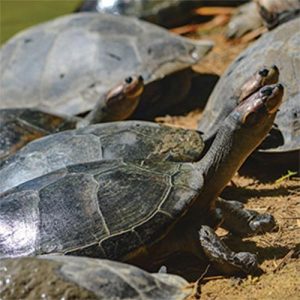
{"points": [[267, 12], [276, 12], [122, 100], [255, 115], [262, 77], [261, 105]]}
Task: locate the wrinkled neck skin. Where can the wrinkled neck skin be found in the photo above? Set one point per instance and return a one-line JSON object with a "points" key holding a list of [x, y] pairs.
{"points": [[97, 115], [227, 153]]}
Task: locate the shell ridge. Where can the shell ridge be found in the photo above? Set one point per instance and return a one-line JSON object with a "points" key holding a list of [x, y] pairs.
{"points": [[95, 199]]}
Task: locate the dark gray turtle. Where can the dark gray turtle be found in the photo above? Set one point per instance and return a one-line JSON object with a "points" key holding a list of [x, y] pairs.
{"points": [[68, 277], [130, 140], [282, 45], [68, 64], [253, 15], [276, 12], [147, 140], [245, 19], [20, 126], [167, 13], [139, 211]]}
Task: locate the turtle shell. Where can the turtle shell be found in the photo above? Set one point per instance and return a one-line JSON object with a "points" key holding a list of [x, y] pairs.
{"points": [[166, 13], [281, 47], [20, 126], [67, 64], [106, 209], [129, 140], [67, 277]]}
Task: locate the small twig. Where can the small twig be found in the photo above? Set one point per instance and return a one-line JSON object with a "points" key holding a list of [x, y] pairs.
{"points": [[213, 278], [196, 293], [215, 22], [209, 11], [287, 176], [253, 35], [284, 261]]}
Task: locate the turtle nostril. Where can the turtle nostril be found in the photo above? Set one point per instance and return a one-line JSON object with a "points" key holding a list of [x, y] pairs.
{"points": [[263, 72], [128, 80], [275, 67]]}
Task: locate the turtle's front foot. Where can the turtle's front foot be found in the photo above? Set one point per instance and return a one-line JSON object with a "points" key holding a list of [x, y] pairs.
{"points": [[244, 222], [222, 258]]}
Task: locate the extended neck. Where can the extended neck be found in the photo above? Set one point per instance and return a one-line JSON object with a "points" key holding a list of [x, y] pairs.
{"points": [[227, 153]]}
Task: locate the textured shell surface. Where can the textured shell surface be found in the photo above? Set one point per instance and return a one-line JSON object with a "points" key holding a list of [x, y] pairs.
{"points": [[280, 46], [129, 140], [96, 209], [84, 278], [20, 126], [67, 64]]}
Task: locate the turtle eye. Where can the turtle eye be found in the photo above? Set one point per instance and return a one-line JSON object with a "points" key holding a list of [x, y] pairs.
{"points": [[128, 80], [263, 72], [267, 91]]}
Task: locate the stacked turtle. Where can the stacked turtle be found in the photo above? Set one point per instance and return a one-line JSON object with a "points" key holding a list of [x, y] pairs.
{"points": [[132, 191]]}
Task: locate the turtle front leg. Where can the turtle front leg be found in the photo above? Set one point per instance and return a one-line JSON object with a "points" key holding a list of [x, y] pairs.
{"points": [[222, 258], [244, 222]]}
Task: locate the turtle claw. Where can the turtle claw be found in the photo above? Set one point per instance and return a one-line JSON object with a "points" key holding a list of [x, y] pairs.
{"points": [[224, 259], [262, 223], [246, 261]]}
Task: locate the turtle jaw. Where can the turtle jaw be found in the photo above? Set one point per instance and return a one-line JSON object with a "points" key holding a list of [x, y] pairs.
{"points": [[260, 105], [123, 100]]}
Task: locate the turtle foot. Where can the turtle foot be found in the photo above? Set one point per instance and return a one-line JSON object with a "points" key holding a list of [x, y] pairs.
{"points": [[224, 259], [244, 222], [262, 224]]}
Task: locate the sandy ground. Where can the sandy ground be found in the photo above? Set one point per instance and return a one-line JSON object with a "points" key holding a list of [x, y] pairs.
{"points": [[257, 187]]}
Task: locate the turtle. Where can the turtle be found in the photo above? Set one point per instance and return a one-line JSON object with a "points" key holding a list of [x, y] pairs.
{"points": [[167, 13], [139, 211], [66, 277], [276, 12], [245, 19], [78, 58], [281, 45], [271, 13], [18, 126], [128, 140]]}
